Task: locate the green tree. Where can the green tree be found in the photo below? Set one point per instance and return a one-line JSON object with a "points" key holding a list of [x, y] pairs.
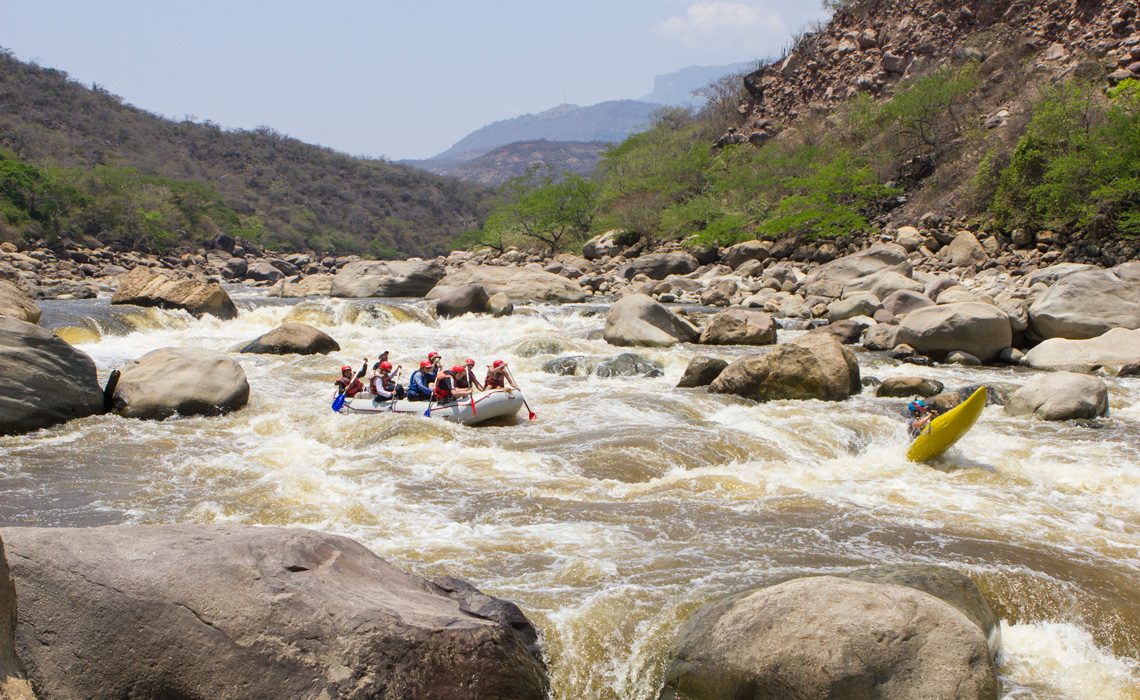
{"points": [[553, 211]]}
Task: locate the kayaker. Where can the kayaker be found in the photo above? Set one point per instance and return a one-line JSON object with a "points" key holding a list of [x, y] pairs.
{"points": [[498, 377], [444, 389], [465, 379], [419, 386], [347, 383], [384, 386], [920, 416]]}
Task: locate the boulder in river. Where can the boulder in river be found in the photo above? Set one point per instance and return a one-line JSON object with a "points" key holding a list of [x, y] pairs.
{"points": [[1089, 303], [658, 266], [386, 278], [43, 380], [982, 330], [307, 286], [902, 302], [14, 684], [906, 387], [701, 371], [845, 270], [456, 301], [736, 255], [638, 320], [813, 366], [180, 381], [1116, 348], [229, 611], [740, 326], [293, 339], [521, 284], [15, 304], [628, 364], [1060, 396], [499, 305], [263, 271], [148, 287], [831, 637]]}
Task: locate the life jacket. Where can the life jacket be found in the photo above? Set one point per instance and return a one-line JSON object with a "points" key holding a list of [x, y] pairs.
{"points": [[441, 392], [495, 381]]}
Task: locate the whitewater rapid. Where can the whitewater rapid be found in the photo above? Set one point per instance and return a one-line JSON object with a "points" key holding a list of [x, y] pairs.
{"points": [[627, 503]]}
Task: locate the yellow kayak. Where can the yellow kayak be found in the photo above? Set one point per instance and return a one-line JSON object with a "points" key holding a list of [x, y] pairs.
{"points": [[946, 429]]}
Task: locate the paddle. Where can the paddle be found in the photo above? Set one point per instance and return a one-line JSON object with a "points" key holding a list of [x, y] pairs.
{"points": [[471, 388], [338, 402], [427, 412], [512, 378]]}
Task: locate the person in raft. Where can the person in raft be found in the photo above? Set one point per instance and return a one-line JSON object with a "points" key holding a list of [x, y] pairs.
{"points": [[419, 386], [444, 389], [465, 379], [384, 387], [498, 377], [347, 383], [383, 358], [920, 417], [436, 361]]}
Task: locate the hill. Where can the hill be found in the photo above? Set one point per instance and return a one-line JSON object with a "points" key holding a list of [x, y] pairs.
{"points": [[500, 164], [259, 184], [677, 88]]}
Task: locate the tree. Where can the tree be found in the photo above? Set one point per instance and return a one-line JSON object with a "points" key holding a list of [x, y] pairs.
{"points": [[553, 211]]}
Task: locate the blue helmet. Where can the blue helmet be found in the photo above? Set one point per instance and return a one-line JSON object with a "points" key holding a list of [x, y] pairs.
{"points": [[915, 405]]}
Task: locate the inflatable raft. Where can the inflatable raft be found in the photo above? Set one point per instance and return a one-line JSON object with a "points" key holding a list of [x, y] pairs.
{"points": [[947, 429], [493, 404]]}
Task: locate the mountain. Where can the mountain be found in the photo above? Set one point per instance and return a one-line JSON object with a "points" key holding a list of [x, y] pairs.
{"points": [[505, 162], [298, 196], [677, 88]]}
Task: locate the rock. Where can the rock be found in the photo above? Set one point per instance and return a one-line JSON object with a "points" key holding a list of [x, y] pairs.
{"points": [[882, 284], [720, 293], [456, 301], [848, 331], [909, 238], [500, 305], [881, 337], [1060, 396], [740, 327], [638, 320], [230, 611], [701, 371], [1018, 312], [43, 380], [180, 381], [902, 302], [235, 269], [964, 250], [1049, 275], [658, 266], [564, 366], [1116, 348], [885, 256], [894, 63], [628, 364], [979, 329], [830, 637], [521, 284], [148, 287], [13, 683], [15, 304], [389, 278], [905, 387], [736, 255], [307, 286], [607, 244], [962, 358], [1129, 370], [861, 304], [263, 271], [1089, 303], [813, 366], [959, 295], [293, 339], [750, 268]]}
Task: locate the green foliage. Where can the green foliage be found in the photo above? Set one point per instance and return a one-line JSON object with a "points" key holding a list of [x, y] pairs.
{"points": [[1078, 163], [928, 112], [556, 212]]}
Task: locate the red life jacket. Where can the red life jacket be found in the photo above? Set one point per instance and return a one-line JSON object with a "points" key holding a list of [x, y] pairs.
{"points": [[441, 392]]}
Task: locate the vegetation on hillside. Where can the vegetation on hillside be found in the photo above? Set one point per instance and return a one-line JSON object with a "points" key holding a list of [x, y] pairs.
{"points": [[136, 179]]}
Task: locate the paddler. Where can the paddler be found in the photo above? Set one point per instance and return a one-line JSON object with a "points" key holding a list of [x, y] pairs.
{"points": [[465, 380], [498, 377], [444, 389], [920, 416], [419, 386], [347, 383], [384, 386]]}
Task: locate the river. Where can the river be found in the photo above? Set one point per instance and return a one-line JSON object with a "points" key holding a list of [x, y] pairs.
{"points": [[627, 503]]}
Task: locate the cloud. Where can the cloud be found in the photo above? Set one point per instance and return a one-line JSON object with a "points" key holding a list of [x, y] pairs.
{"points": [[738, 25]]}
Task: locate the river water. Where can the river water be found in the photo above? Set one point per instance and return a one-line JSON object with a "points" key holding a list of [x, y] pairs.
{"points": [[627, 503]]}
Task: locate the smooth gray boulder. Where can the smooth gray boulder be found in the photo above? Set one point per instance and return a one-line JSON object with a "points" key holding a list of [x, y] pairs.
{"points": [[307, 286], [701, 371], [15, 304], [1116, 348], [740, 327], [230, 611], [964, 250], [720, 293], [858, 304], [736, 255], [845, 270], [881, 336], [149, 287], [387, 278], [499, 305], [906, 387], [457, 301], [882, 284], [813, 366], [1060, 396], [180, 381], [292, 339], [1089, 303], [14, 684], [982, 330], [902, 302], [43, 380], [1049, 275], [263, 271], [831, 637], [606, 244], [849, 331], [637, 320], [658, 266], [627, 364], [521, 284]]}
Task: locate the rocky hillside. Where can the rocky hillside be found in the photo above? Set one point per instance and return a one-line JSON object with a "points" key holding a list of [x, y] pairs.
{"points": [[288, 194], [513, 160]]}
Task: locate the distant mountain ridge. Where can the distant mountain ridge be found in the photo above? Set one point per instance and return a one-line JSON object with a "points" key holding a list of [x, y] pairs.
{"points": [[514, 159], [677, 88]]}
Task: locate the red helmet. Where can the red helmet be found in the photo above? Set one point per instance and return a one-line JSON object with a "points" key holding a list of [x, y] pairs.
{"points": [[386, 366], [424, 364], [498, 363], [346, 368], [432, 355], [458, 369], [469, 362]]}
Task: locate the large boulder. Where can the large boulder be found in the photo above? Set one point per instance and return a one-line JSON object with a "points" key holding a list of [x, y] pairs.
{"points": [[628, 364], [456, 301], [292, 339], [606, 244], [845, 270], [903, 301], [307, 286], [964, 250], [861, 304], [1060, 396], [701, 371], [905, 387], [658, 266], [180, 381], [15, 304], [740, 327], [638, 320], [1089, 303], [229, 611], [1116, 348], [13, 683], [813, 366], [521, 284], [884, 283], [263, 271], [386, 278], [736, 255], [982, 330], [43, 380], [831, 637], [1049, 275], [147, 287]]}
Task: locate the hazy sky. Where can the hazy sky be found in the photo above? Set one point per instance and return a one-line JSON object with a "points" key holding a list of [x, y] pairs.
{"points": [[379, 78]]}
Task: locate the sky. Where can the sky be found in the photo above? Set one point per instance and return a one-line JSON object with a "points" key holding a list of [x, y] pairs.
{"points": [[380, 78]]}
